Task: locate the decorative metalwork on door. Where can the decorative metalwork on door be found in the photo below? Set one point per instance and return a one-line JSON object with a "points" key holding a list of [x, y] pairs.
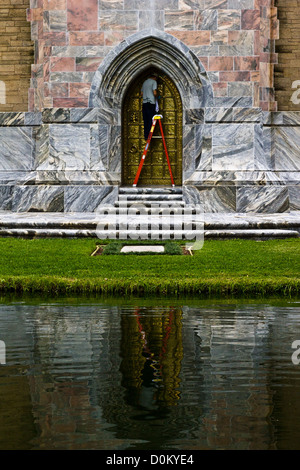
{"points": [[155, 170]]}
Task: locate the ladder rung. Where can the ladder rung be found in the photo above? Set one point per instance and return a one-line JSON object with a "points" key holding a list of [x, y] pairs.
{"points": [[156, 118]]}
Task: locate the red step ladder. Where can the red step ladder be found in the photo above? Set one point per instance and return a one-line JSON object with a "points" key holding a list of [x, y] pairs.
{"points": [[157, 117]]}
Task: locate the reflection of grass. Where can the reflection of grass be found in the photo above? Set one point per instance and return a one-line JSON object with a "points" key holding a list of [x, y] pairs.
{"points": [[238, 267]]}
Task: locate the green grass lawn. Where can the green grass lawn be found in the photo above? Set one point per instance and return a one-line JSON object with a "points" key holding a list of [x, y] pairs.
{"points": [[59, 266]]}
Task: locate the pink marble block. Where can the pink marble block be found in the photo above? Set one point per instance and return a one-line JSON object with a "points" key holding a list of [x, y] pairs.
{"points": [[54, 5], [246, 63], [250, 19], [80, 90], [60, 90], [70, 102], [192, 38], [83, 38], [62, 64], [220, 64], [82, 16]]}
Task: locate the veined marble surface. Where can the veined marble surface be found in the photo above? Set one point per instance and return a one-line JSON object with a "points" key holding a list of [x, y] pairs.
{"points": [[16, 149], [215, 225], [234, 160]]}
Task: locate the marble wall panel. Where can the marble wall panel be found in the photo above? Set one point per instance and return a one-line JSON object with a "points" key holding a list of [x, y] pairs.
{"points": [[188, 164], [179, 20], [69, 148], [268, 142], [243, 4], [152, 18], [95, 160], [262, 155], [111, 5], [211, 199], [206, 20], [222, 4], [294, 195], [218, 115], [16, 149], [57, 20], [76, 177], [268, 199], [229, 19], [194, 116], [33, 119], [16, 177], [69, 51], [116, 20], [203, 160], [38, 199], [6, 197], [12, 119], [233, 158], [233, 147], [230, 102], [114, 146], [286, 148], [89, 198], [240, 89]]}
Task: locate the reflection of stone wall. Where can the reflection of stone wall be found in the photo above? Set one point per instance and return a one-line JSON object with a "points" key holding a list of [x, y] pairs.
{"points": [[16, 55]]}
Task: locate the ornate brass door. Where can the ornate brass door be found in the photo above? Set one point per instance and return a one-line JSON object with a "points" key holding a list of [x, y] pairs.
{"points": [[155, 170]]}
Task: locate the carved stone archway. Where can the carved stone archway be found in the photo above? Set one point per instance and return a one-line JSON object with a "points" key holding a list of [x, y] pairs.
{"points": [[150, 48]]}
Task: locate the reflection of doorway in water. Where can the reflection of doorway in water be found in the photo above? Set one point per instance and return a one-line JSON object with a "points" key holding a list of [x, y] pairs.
{"points": [[151, 351]]}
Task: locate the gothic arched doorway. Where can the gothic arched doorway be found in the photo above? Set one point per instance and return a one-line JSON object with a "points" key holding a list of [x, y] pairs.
{"points": [[155, 171]]}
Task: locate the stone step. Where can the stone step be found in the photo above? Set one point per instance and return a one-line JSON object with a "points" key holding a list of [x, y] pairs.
{"points": [[154, 190], [251, 233], [79, 221], [150, 197], [149, 209], [149, 203], [48, 232]]}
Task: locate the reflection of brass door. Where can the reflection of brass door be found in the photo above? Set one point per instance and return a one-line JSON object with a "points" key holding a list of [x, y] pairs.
{"points": [[155, 170]]}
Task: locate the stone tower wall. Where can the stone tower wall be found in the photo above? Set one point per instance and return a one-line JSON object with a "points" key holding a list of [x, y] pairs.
{"points": [[234, 39], [16, 47], [66, 153]]}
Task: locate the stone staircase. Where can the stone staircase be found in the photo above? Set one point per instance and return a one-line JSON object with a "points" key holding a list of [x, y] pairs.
{"points": [[151, 198], [156, 213], [150, 213]]}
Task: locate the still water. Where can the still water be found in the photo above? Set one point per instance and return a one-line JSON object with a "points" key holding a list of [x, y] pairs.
{"points": [[155, 375]]}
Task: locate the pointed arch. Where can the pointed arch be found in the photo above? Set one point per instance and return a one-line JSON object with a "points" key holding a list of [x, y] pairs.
{"points": [[119, 69], [150, 48]]}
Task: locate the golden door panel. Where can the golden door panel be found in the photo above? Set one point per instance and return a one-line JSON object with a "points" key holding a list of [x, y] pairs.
{"points": [[155, 169]]}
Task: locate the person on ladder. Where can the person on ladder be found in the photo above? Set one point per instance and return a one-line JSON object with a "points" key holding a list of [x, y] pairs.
{"points": [[149, 94]]}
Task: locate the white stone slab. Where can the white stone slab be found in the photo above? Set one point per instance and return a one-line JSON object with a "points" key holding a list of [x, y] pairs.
{"points": [[143, 249]]}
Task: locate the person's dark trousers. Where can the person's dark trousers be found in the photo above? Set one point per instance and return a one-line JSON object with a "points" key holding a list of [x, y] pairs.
{"points": [[148, 113]]}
